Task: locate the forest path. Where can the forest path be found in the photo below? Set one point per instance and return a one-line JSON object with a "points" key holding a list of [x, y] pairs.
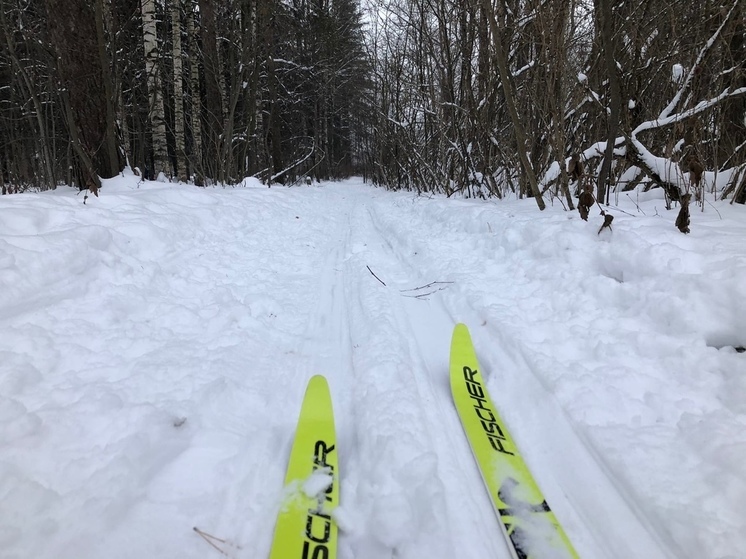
{"points": [[157, 344], [403, 451]]}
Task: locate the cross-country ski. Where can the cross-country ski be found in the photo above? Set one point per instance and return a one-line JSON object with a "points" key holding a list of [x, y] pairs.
{"points": [[531, 528], [305, 528]]}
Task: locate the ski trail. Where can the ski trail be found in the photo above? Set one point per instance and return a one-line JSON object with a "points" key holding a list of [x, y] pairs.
{"points": [[242, 439], [327, 346], [574, 466], [389, 492], [427, 326], [408, 462], [312, 329]]}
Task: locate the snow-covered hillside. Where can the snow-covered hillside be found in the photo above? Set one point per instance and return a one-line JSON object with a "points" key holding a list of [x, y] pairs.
{"points": [[155, 344]]}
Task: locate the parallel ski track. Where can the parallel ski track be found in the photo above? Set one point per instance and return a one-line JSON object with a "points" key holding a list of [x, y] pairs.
{"points": [[327, 349], [582, 462], [350, 306], [429, 375]]}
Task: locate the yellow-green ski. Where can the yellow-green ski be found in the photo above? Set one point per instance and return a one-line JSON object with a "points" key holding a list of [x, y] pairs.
{"points": [[305, 528], [531, 528]]}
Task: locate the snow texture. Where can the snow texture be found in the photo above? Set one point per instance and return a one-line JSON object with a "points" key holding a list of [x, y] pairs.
{"points": [[318, 482], [157, 341], [677, 74]]}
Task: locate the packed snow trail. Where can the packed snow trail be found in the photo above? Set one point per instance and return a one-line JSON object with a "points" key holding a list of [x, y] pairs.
{"points": [[157, 342]]}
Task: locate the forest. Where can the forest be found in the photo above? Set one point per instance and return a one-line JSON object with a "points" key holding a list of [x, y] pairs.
{"points": [[555, 99]]}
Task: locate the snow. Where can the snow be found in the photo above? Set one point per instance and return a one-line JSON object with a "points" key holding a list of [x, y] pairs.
{"points": [[157, 341], [677, 74], [318, 482]]}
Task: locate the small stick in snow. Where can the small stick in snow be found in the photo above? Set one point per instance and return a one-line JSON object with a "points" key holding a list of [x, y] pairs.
{"points": [[714, 208], [209, 538], [622, 211], [639, 209], [424, 296], [375, 276], [426, 286]]}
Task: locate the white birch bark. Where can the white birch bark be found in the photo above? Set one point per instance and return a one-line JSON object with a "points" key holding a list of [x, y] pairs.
{"points": [[152, 68]]}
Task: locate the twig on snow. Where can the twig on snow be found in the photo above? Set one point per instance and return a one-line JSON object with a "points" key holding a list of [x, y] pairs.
{"points": [[639, 209], [716, 210], [426, 286], [426, 294], [375, 276], [618, 209], [209, 538]]}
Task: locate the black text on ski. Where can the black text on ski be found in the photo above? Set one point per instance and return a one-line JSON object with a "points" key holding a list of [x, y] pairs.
{"points": [[484, 413], [315, 546]]}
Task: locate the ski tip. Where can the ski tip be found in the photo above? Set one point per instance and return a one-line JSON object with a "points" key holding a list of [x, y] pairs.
{"points": [[460, 330], [318, 384]]}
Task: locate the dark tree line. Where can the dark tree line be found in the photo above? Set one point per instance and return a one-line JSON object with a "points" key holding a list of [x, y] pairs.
{"points": [[203, 90], [485, 97]]}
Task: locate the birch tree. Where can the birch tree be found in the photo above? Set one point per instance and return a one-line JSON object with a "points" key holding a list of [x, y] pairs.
{"points": [[156, 112]]}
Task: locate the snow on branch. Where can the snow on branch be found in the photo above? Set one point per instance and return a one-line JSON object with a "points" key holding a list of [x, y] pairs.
{"points": [[525, 68], [596, 150], [700, 107], [675, 101], [293, 165], [667, 170]]}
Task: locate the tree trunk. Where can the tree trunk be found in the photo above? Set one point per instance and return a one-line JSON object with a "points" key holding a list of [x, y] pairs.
{"points": [[273, 140], [111, 122], [554, 29], [72, 30], [156, 111], [249, 50], [195, 100], [213, 95], [505, 80], [179, 167], [615, 95]]}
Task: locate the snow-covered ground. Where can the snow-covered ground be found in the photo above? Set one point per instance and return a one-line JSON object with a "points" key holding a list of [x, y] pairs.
{"points": [[155, 344]]}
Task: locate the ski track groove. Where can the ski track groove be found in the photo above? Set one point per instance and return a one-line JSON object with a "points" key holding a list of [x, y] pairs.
{"points": [[433, 387], [577, 514], [373, 313], [668, 547]]}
